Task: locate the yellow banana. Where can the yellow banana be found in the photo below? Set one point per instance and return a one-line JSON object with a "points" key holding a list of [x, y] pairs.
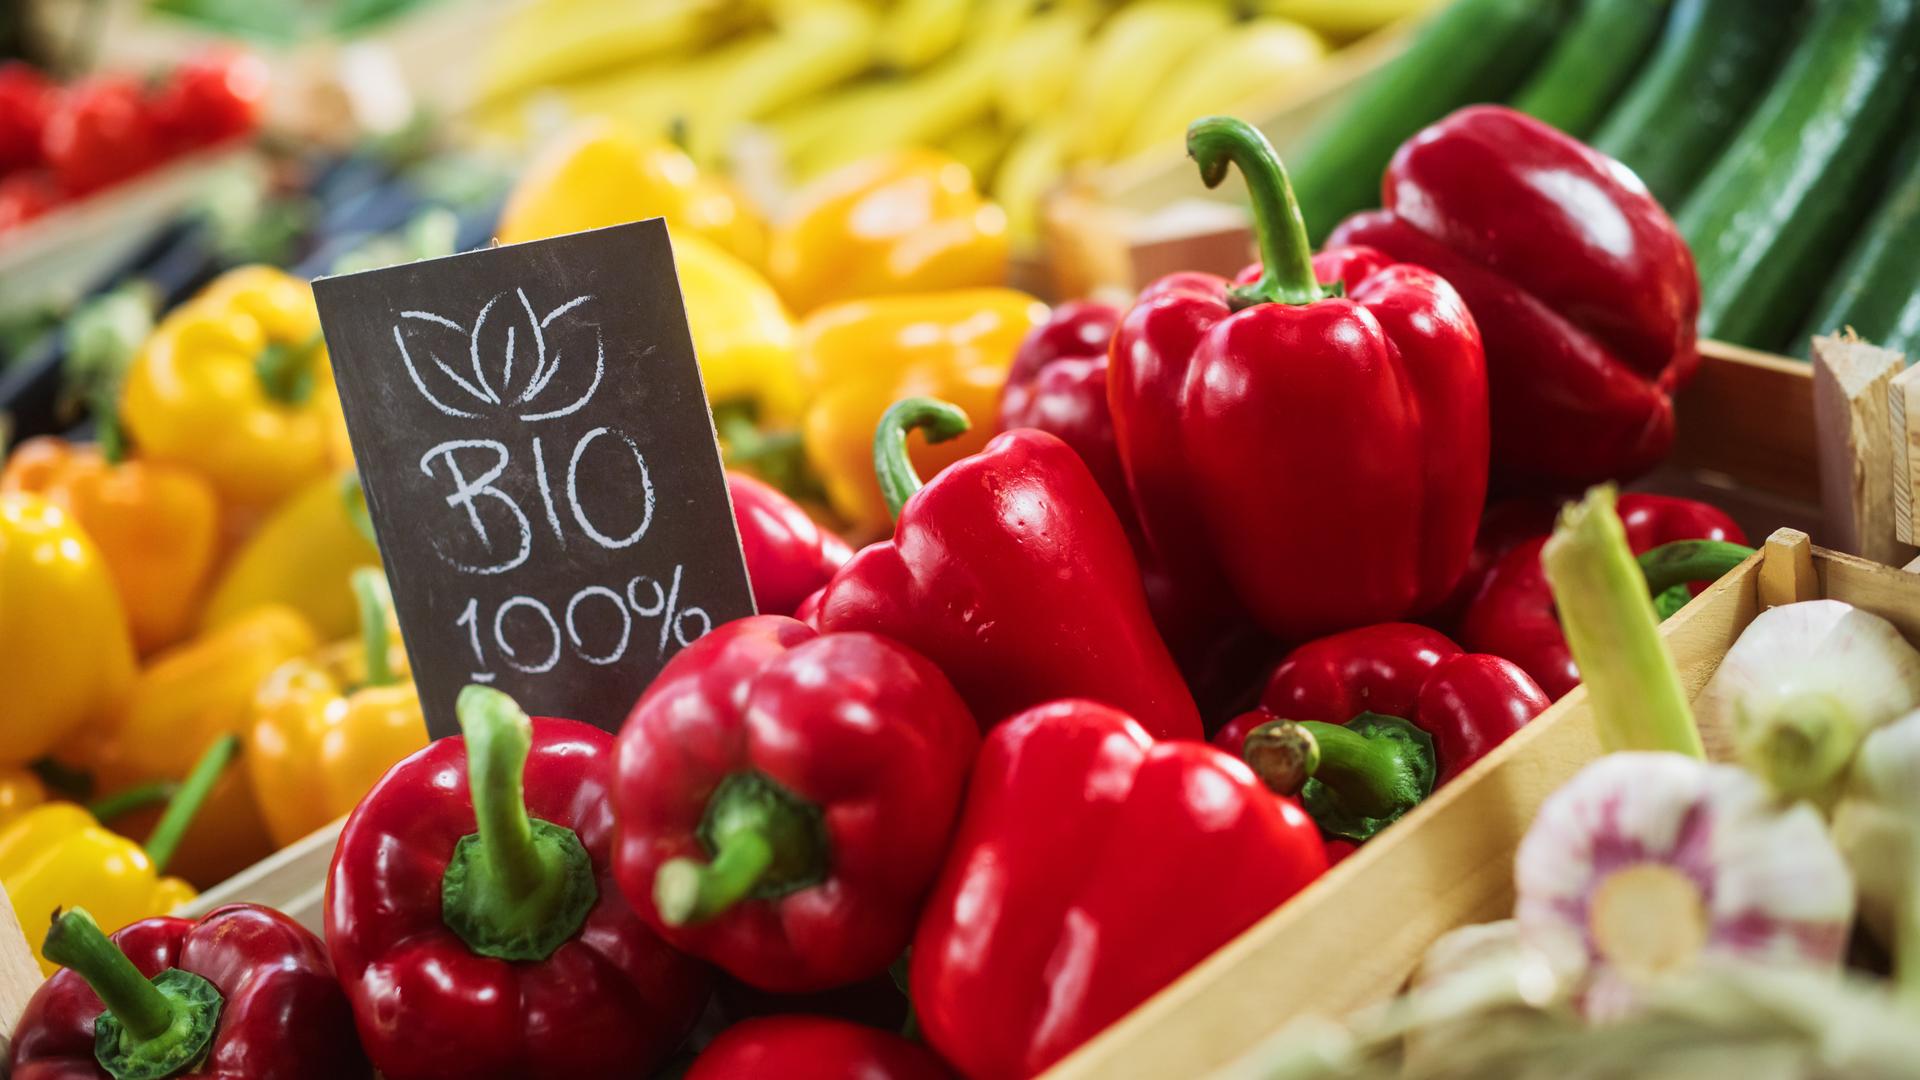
{"points": [[978, 144], [1039, 63], [1256, 58], [918, 32], [1340, 18], [1032, 165], [817, 47], [1129, 59], [553, 41]]}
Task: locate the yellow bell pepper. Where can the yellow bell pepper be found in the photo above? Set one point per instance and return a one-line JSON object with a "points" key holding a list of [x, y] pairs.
{"points": [[235, 385], [860, 357], [599, 172], [65, 655], [20, 791], [907, 221], [58, 855], [327, 727], [189, 698], [156, 525], [741, 333], [302, 557]]}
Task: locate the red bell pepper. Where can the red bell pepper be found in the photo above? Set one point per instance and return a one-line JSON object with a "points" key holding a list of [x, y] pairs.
{"points": [[785, 798], [794, 1047], [474, 921], [1513, 613], [1012, 574], [1093, 866], [1058, 385], [788, 555], [1464, 704], [1326, 451], [245, 992], [1583, 289]]}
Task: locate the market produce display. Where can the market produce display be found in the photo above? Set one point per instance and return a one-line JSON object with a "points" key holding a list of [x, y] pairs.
{"points": [[1095, 634]]}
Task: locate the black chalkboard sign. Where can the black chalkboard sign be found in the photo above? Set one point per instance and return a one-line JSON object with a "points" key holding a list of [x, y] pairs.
{"points": [[541, 467]]}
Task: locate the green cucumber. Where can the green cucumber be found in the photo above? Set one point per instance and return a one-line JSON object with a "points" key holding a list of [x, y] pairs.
{"points": [[1592, 63], [1877, 288], [1772, 213], [1714, 60], [1473, 50]]}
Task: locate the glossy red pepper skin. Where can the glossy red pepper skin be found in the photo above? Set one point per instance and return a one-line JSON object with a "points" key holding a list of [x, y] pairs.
{"points": [[788, 554], [1236, 428], [867, 734], [611, 1001], [1468, 702], [1057, 911], [794, 1047], [1513, 613], [1010, 572], [283, 1017], [1058, 385], [1584, 291]]}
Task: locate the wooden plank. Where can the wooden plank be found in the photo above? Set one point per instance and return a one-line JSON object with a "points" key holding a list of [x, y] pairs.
{"points": [[19, 975], [292, 879], [1903, 422], [1786, 569], [1851, 387], [1893, 594], [1361, 929], [1748, 416]]}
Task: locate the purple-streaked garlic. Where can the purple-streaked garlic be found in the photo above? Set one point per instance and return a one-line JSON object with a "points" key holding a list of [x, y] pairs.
{"points": [[1644, 863], [1802, 687]]}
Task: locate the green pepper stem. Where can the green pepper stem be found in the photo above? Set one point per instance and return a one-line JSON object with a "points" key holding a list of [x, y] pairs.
{"points": [[186, 802], [1638, 702], [518, 888], [938, 420], [764, 840], [127, 800], [374, 602], [354, 497], [687, 891], [1370, 775], [76, 942], [1684, 562], [286, 370], [1286, 253]]}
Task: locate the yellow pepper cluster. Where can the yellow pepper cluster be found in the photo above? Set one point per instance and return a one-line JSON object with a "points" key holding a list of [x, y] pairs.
{"points": [[886, 278], [194, 619]]}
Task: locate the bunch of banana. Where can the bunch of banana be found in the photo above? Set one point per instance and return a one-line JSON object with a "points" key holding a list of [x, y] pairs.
{"points": [[1019, 90]]}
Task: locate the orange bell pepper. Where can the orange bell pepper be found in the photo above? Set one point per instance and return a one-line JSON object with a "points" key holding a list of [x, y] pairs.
{"points": [[156, 526]]}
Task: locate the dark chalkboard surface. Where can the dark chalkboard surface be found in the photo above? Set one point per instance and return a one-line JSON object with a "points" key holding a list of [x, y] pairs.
{"points": [[541, 467]]}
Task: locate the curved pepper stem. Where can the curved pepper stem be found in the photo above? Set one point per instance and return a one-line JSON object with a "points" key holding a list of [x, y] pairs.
{"points": [[764, 842], [1670, 568], [374, 602], [127, 800], [187, 800], [286, 371], [1638, 702], [152, 1028], [939, 420], [519, 887], [1354, 778], [1286, 255]]}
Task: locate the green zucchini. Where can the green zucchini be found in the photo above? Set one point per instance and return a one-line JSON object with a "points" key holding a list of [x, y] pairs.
{"points": [[1877, 288], [1591, 63], [1774, 210], [1472, 50], [1713, 62]]}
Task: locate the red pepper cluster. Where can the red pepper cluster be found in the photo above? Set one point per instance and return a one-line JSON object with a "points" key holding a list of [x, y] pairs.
{"points": [[967, 753], [59, 143]]}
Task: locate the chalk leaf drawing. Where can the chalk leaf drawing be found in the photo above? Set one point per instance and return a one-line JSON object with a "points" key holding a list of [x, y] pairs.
{"points": [[509, 360]]}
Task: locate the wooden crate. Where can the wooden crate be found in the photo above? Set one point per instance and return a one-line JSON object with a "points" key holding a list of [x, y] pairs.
{"points": [[1353, 937]]}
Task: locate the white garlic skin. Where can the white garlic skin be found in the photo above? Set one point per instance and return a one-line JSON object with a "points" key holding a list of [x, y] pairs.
{"points": [[1877, 821]]}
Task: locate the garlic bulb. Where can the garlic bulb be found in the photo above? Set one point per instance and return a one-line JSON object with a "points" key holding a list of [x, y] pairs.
{"points": [[1802, 687], [1877, 822], [1644, 863]]}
